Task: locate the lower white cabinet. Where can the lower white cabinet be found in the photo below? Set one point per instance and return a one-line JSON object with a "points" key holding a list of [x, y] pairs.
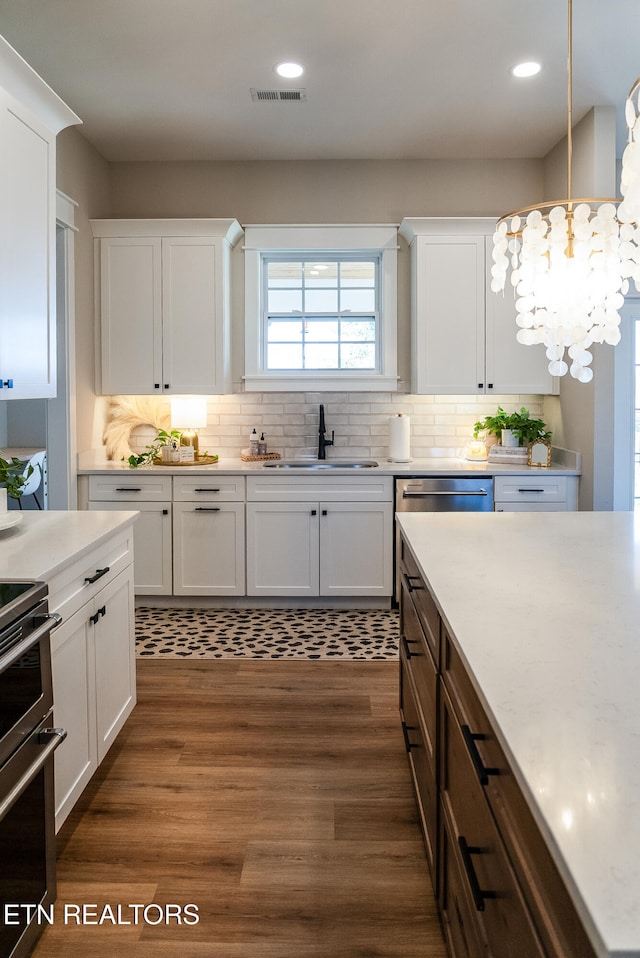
{"points": [[341, 545], [93, 662], [208, 548], [535, 493]]}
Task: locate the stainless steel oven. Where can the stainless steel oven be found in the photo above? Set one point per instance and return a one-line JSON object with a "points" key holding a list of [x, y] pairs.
{"points": [[27, 743]]}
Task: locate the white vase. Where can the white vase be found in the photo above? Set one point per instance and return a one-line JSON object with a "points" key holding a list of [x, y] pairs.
{"points": [[509, 438]]}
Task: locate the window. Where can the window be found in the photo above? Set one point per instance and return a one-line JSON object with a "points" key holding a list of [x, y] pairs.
{"points": [[320, 316]]}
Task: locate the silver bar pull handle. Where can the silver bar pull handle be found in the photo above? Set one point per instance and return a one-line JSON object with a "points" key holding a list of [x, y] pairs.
{"points": [[56, 736], [439, 492]]}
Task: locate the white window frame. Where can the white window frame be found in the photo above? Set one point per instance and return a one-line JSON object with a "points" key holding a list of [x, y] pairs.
{"points": [[321, 241]]}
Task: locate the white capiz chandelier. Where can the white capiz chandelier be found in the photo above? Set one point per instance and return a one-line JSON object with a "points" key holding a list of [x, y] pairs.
{"points": [[570, 260]]}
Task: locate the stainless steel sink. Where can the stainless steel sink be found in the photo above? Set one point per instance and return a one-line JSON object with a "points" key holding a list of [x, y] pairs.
{"points": [[320, 464]]}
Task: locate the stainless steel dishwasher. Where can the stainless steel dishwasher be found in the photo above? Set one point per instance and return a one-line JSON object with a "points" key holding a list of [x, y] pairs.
{"points": [[442, 494]]}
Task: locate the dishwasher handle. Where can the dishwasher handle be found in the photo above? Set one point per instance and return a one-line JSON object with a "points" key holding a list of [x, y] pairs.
{"points": [[443, 492]]}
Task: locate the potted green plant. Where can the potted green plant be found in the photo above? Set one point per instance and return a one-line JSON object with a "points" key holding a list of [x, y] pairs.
{"points": [[13, 476], [519, 424], [164, 438]]}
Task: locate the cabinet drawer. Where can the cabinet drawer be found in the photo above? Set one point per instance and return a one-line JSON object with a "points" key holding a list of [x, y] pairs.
{"points": [[129, 488], [502, 915], [419, 663], [427, 611], [530, 489], [423, 772], [83, 579], [207, 488]]}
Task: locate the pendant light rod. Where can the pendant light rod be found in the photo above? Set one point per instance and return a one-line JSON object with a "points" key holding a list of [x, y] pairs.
{"points": [[569, 102]]}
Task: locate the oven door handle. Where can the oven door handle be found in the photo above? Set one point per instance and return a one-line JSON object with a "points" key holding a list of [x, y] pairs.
{"points": [[46, 623], [53, 737]]}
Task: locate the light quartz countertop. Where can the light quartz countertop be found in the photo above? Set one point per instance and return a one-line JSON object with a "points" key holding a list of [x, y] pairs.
{"points": [[436, 466], [45, 542], [545, 610]]}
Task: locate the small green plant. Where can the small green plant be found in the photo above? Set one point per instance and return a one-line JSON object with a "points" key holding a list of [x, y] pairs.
{"points": [[152, 452], [13, 476], [526, 429]]}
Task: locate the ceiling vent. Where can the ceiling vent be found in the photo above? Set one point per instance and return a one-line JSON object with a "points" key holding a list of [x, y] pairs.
{"points": [[295, 96]]}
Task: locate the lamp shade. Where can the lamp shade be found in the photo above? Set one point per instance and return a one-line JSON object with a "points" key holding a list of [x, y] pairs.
{"points": [[188, 412]]}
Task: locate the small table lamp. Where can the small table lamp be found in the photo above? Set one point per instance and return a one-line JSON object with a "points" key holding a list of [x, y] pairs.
{"points": [[188, 414]]}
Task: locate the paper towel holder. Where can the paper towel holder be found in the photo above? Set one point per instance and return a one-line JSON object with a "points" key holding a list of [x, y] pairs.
{"points": [[400, 458]]}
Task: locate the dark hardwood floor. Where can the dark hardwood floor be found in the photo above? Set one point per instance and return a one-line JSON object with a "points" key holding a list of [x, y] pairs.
{"points": [[273, 795]]}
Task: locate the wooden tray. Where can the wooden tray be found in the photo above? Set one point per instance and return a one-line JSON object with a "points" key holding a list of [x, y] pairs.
{"points": [[202, 461]]}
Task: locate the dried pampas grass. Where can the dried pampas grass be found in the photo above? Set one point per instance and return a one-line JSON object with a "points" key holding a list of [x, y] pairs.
{"points": [[124, 413]]}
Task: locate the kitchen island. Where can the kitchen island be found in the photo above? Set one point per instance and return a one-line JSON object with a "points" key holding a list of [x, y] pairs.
{"points": [[542, 611]]}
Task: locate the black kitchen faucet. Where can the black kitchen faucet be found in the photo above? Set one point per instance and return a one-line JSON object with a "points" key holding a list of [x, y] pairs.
{"points": [[322, 442]]}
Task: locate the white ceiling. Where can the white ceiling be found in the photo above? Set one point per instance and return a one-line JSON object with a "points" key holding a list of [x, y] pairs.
{"points": [[385, 79]]}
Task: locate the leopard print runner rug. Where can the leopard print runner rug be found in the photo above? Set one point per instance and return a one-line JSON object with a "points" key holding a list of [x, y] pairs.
{"points": [[267, 633]]}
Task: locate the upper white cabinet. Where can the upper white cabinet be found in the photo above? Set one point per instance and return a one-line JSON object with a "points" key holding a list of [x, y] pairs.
{"points": [[463, 334], [162, 297], [31, 115]]}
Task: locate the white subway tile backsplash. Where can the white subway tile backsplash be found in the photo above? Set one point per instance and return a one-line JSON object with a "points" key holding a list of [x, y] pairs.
{"points": [[439, 424]]}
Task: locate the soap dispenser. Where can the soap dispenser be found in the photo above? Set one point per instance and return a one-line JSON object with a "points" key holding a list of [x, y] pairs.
{"points": [[253, 443]]}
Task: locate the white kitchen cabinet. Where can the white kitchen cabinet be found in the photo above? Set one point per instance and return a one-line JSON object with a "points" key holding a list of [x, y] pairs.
{"points": [[31, 115], [208, 535], [151, 496], [299, 544], [93, 662], [463, 334], [535, 493], [162, 298]]}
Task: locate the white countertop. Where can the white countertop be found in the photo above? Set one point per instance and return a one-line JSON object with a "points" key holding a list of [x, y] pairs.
{"points": [[46, 541], [436, 466], [545, 609]]}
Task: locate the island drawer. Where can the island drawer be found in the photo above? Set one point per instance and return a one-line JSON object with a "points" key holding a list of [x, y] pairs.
{"points": [[423, 773], [530, 489], [129, 488], [418, 593], [83, 579], [419, 664], [208, 488]]}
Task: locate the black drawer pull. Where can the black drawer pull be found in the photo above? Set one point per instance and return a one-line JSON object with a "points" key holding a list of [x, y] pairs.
{"points": [[477, 893], [94, 578], [407, 651], [405, 731], [207, 509], [409, 584], [482, 771], [531, 490], [206, 490], [128, 489]]}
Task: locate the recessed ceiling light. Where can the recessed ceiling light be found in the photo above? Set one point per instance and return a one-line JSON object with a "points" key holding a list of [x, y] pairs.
{"points": [[528, 69], [289, 70]]}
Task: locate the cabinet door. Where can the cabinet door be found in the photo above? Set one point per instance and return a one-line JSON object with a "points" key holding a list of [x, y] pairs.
{"points": [[27, 237], [448, 314], [151, 544], [356, 551], [115, 667], [73, 664], [131, 315], [208, 548], [192, 319], [511, 367], [282, 548]]}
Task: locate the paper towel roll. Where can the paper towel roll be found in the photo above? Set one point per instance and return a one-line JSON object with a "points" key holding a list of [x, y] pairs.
{"points": [[400, 438]]}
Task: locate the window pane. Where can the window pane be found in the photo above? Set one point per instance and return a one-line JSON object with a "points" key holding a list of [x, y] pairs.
{"points": [[321, 356], [284, 331], [361, 356], [358, 274], [284, 274], [284, 357], [321, 300], [358, 300], [284, 300], [363, 329], [321, 330]]}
